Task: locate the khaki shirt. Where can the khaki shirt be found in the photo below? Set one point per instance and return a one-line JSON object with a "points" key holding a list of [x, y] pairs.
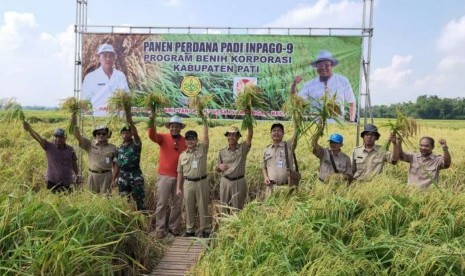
{"points": [[423, 170], [341, 160], [274, 161], [193, 162], [367, 164], [100, 157], [235, 159]]}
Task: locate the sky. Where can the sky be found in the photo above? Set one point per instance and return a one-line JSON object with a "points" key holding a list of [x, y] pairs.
{"points": [[418, 46]]}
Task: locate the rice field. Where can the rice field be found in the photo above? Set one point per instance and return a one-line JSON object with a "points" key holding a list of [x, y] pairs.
{"points": [[382, 227]]}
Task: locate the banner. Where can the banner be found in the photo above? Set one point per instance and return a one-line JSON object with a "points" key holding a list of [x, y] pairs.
{"points": [[182, 65]]}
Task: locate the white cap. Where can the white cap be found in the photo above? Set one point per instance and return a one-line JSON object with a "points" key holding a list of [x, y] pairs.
{"points": [[105, 48], [175, 120]]}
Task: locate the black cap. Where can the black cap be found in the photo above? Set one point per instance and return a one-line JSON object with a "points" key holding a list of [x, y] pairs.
{"points": [[277, 125], [370, 128], [191, 134], [59, 132]]}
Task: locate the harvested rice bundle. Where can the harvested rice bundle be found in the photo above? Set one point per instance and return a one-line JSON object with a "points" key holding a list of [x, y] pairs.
{"points": [[199, 103], [251, 98], [156, 100], [326, 109], [74, 106], [13, 111], [119, 103], [297, 108], [403, 127]]}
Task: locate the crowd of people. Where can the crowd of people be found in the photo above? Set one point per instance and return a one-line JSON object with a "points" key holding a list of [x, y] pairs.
{"points": [[183, 175]]}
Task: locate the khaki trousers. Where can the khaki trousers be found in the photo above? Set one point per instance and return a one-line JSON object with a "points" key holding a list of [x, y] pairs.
{"points": [[166, 189], [197, 195], [232, 193], [99, 182]]}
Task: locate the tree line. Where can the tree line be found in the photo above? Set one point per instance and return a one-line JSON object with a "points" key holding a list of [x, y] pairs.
{"points": [[425, 107]]}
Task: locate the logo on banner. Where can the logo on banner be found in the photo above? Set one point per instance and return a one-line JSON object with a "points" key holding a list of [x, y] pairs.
{"points": [[191, 86]]}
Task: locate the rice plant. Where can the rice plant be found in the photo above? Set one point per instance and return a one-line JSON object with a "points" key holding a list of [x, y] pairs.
{"points": [[119, 104], [378, 228], [327, 108], [13, 111], [403, 127], [297, 109], [74, 106], [251, 99], [199, 103], [155, 101]]}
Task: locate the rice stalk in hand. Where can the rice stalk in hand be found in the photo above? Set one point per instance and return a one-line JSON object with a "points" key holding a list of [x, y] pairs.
{"points": [[156, 100], [327, 108], [13, 111], [403, 127], [74, 106], [251, 98], [119, 103], [199, 103], [296, 108]]}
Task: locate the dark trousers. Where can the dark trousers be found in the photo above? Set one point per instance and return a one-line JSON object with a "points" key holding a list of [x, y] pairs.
{"points": [[58, 187]]}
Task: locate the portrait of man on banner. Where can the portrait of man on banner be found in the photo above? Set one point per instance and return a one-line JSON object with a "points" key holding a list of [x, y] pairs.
{"points": [[328, 83], [99, 84]]}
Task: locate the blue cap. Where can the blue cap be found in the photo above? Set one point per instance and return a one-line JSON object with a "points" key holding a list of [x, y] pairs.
{"points": [[336, 138]]}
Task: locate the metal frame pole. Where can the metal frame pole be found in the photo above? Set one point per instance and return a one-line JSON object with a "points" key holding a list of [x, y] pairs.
{"points": [[365, 62], [79, 28]]}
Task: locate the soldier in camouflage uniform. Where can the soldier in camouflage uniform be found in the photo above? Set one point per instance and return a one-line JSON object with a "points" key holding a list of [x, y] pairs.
{"points": [[130, 179]]}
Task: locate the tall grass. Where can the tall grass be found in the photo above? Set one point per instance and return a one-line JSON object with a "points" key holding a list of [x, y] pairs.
{"points": [[378, 228], [77, 234], [373, 229]]}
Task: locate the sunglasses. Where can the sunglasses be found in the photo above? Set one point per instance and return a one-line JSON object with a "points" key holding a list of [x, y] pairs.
{"points": [[101, 133]]}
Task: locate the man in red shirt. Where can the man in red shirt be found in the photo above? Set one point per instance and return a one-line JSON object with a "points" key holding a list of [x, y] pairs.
{"points": [[171, 144]]}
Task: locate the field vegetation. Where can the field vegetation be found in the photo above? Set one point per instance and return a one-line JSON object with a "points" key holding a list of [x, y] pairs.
{"points": [[382, 227]]}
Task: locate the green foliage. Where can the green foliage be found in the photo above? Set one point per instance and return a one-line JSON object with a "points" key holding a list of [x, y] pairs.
{"points": [[425, 107]]}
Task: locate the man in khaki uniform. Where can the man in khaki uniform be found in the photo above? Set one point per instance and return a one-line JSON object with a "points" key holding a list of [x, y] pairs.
{"points": [[425, 166], [101, 154], [332, 159], [275, 170], [368, 160], [192, 181], [231, 164]]}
